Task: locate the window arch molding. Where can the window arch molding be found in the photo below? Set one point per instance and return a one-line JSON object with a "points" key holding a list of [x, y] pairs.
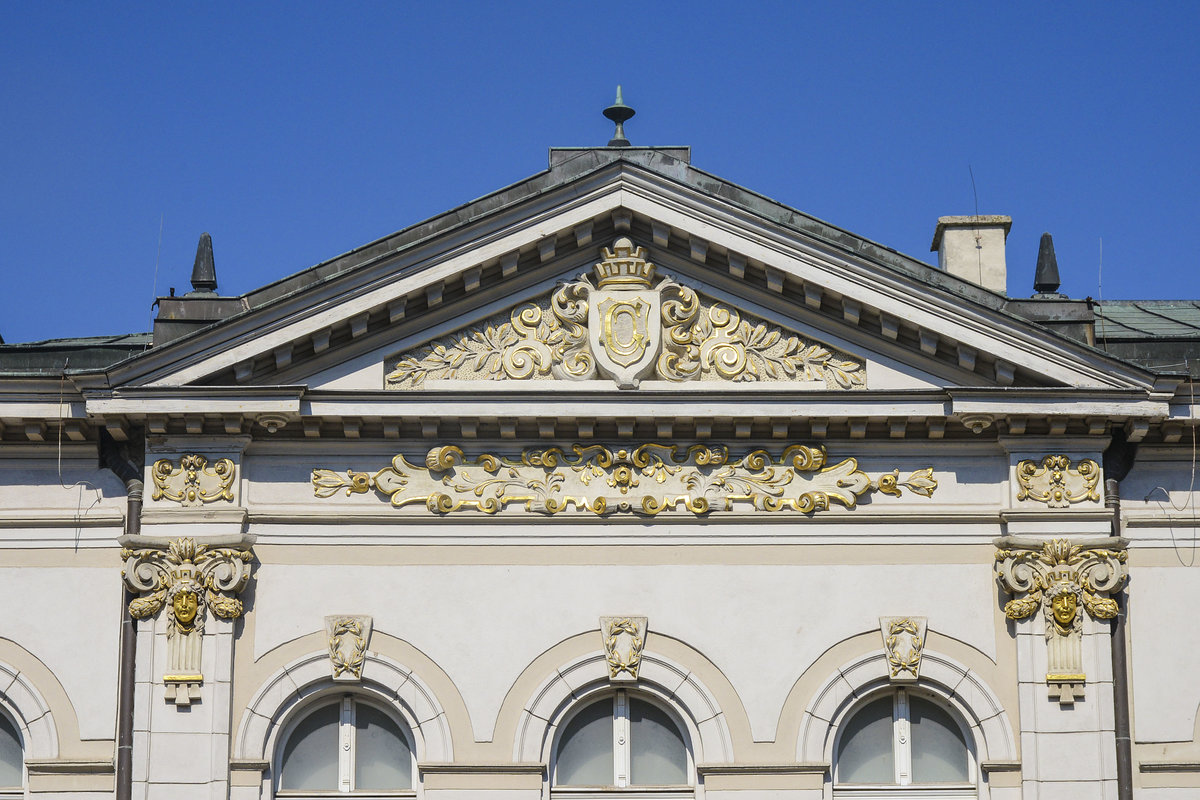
{"points": [[25, 706], [666, 684], [305, 683], [944, 680]]}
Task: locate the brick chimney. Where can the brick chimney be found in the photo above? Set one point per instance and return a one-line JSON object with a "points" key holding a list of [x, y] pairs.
{"points": [[973, 249]]}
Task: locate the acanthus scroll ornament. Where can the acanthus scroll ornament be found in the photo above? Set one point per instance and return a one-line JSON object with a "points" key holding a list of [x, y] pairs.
{"points": [[189, 579], [647, 479], [1055, 483], [626, 324], [194, 482], [1058, 577]]}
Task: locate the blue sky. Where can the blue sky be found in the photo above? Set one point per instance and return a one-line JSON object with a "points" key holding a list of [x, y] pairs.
{"points": [[293, 132]]}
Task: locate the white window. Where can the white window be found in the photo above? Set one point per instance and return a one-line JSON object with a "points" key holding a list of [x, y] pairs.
{"points": [[348, 747], [622, 744], [11, 759], [903, 745]]}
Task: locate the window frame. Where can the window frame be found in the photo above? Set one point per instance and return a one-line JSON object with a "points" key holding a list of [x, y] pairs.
{"points": [[904, 788], [16, 791], [347, 732], [622, 751]]}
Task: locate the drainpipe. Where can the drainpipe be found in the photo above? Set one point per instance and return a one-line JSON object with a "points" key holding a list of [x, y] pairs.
{"points": [[1118, 460], [120, 458]]}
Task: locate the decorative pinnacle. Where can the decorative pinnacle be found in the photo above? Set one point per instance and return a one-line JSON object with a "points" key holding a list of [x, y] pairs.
{"points": [[204, 272], [619, 113], [1045, 278]]}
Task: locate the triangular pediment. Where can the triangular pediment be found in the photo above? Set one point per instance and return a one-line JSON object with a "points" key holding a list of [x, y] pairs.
{"points": [[737, 300]]}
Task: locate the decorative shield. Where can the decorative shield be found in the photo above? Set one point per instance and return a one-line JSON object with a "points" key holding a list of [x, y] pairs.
{"points": [[626, 332]]}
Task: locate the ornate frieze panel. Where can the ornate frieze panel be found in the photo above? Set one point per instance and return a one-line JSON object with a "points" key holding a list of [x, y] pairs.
{"points": [[903, 643], [626, 324], [1059, 577], [193, 482], [647, 479], [190, 580], [624, 638], [348, 638], [1056, 482]]}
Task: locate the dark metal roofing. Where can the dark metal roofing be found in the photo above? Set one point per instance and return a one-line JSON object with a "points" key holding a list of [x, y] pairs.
{"points": [[52, 356], [1148, 319]]}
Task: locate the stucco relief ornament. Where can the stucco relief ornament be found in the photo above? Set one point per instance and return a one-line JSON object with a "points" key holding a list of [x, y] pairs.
{"points": [[348, 637], [903, 644], [624, 639], [1055, 483], [648, 479], [626, 324], [189, 579], [193, 483], [1059, 577]]}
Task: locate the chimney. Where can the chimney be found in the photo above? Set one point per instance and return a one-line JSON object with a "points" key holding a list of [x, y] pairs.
{"points": [[973, 249], [199, 308]]}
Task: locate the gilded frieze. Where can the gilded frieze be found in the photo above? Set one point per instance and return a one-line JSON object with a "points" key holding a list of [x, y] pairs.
{"points": [[647, 479], [1056, 483], [626, 324], [189, 580], [1058, 578], [193, 483]]}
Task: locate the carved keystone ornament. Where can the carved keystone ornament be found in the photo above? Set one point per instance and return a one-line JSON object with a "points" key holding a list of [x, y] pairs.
{"points": [[348, 638], [624, 638], [1058, 577], [188, 579], [903, 644], [627, 325]]}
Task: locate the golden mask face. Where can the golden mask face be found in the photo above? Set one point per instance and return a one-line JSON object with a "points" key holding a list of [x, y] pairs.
{"points": [[185, 607], [1064, 607]]}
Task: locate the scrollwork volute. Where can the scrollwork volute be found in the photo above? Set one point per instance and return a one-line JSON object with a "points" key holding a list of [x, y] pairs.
{"points": [[193, 483], [189, 580], [625, 323], [1059, 578], [1058, 484]]}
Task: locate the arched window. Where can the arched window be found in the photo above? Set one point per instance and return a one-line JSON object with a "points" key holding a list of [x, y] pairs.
{"points": [[899, 741], [622, 742], [346, 746], [11, 759]]}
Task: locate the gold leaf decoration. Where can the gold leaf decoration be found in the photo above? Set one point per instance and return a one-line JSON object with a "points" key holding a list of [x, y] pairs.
{"points": [[648, 479], [686, 338]]}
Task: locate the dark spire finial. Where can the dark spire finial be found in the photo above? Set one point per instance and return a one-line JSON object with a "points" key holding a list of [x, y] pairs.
{"points": [[1045, 278], [204, 271], [619, 113]]}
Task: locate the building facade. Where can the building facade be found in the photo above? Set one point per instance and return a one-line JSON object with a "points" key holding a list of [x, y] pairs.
{"points": [[621, 481]]}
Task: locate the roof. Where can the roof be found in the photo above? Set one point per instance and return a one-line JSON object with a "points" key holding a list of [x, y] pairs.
{"points": [[53, 356], [1148, 319]]}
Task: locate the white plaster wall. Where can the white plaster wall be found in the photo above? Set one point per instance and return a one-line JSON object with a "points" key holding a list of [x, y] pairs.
{"points": [[1166, 645], [762, 625], [69, 618]]}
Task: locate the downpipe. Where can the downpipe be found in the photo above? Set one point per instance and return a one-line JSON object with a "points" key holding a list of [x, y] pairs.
{"points": [[1118, 460], [125, 459]]}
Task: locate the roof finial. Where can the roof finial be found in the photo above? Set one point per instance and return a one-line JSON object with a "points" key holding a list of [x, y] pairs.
{"points": [[619, 113], [1045, 277], [204, 272]]}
